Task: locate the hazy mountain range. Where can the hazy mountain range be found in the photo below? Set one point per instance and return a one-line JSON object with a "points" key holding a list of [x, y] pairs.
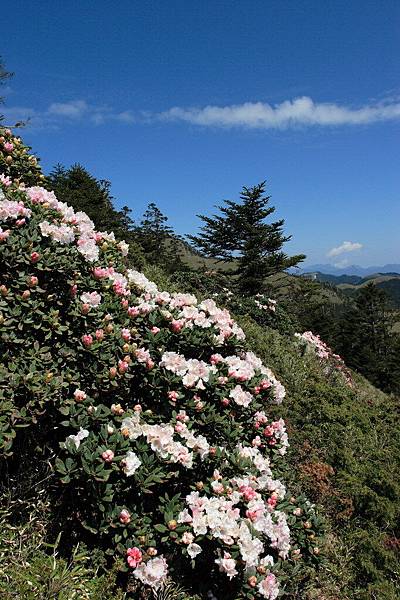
{"points": [[350, 270]]}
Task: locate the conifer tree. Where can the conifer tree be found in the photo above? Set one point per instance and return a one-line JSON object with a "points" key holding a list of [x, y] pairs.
{"points": [[160, 243], [4, 75], [241, 236], [368, 342]]}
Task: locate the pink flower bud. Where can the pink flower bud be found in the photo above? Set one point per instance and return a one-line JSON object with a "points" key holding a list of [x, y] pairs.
{"points": [[137, 408], [26, 294], [150, 364], [85, 308], [176, 326], [122, 366], [87, 340], [79, 395], [173, 396], [126, 334], [99, 334], [155, 330], [35, 256], [133, 311], [124, 517], [33, 281], [108, 456], [225, 401], [113, 372]]}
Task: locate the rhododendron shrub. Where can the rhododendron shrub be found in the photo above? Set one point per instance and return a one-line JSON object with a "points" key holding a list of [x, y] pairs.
{"points": [[156, 409], [333, 363]]}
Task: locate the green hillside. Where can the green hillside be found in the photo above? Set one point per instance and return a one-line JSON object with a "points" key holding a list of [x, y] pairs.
{"points": [[148, 436]]}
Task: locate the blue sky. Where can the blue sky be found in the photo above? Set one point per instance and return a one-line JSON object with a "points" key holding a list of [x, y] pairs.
{"points": [[184, 102]]}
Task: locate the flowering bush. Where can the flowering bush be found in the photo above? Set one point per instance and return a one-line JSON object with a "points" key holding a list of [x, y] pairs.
{"points": [[157, 410], [333, 362]]}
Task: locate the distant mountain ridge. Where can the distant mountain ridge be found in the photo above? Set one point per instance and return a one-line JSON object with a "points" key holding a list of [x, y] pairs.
{"points": [[350, 270]]}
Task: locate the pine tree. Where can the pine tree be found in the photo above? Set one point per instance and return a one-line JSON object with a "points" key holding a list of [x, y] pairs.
{"points": [[369, 343], [4, 75], [241, 236], [160, 243]]}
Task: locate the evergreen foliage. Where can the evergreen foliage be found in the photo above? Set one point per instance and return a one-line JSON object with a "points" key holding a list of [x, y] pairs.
{"points": [[4, 76], [241, 236], [86, 193], [158, 240]]}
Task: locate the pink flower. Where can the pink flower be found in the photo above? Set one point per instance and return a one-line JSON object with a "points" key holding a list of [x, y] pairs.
{"points": [[73, 290], [35, 256], [176, 326], [215, 359], [99, 334], [248, 492], [179, 428], [8, 147], [85, 308], [20, 222], [150, 364], [79, 395], [108, 456], [87, 340], [33, 280], [137, 408], [173, 396], [133, 311], [134, 557], [122, 366], [125, 516], [268, 431], [5, 180], [4, 234], [155, 330], [225, 401], [272, 501], [126, 334]]}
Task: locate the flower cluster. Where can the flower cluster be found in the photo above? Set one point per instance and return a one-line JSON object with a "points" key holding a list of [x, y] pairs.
{"points": [[168, 446], [326, 355]]}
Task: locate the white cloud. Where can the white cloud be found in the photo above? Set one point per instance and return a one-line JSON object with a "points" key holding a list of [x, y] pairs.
{"points": [[251, 115], [345, 247], [290, 113], [59, 113], [73, 109]]}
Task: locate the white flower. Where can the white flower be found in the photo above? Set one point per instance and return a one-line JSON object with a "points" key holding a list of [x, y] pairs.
{"points": [[59, 233], [131, 463], [81, 435], [227, 565], [124, 247], [91, 298], [194, 550], [241, 397], [131, 426], [153, 572]]}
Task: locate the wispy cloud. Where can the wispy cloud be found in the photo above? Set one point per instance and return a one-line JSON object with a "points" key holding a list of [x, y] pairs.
{"points": [[299, 112], [345, 247], [290, 113], [64, 113]]}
